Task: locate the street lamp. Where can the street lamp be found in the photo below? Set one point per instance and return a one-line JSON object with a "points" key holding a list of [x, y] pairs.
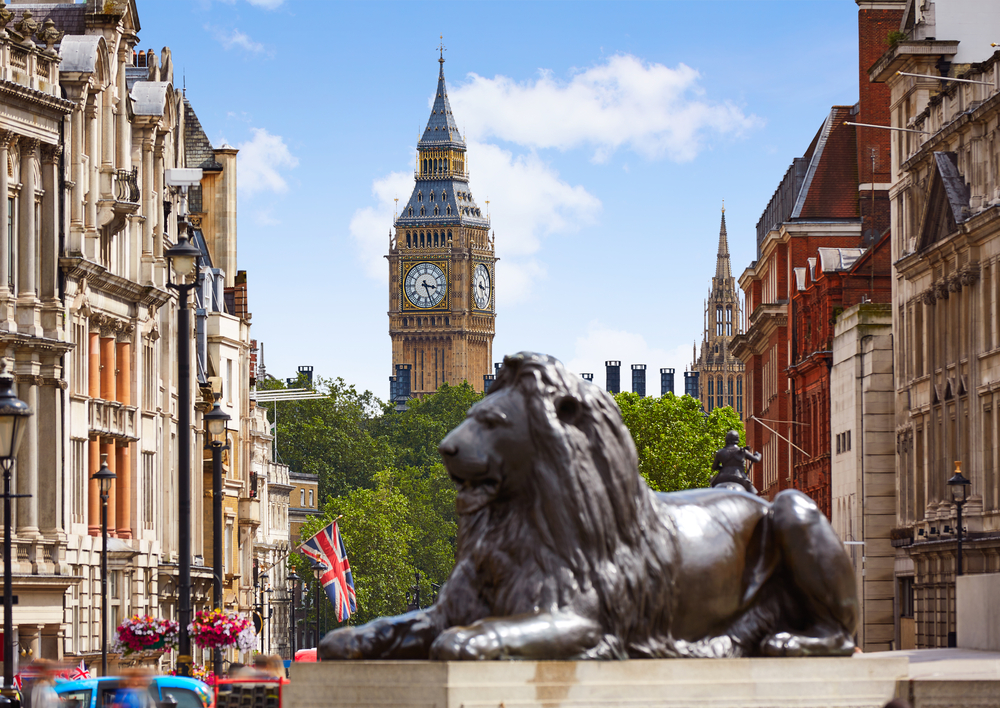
{"points": [[959, 486], [183, 258], [13, 420], [293, 579], [215, 423], [104, 477], [317, 568], [261, 587]]}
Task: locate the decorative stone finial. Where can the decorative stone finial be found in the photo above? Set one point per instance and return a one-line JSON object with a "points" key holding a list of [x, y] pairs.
{"points": [[49, 36], [5, 17], [26, 26]]}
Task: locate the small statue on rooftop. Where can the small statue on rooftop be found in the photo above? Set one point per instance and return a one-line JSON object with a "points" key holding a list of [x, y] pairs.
{"points": [[729, 465]]}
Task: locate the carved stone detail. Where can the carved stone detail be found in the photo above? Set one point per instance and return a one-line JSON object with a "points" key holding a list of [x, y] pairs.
{"points": [[941, 290], [970, 274], [30, 379], [955, 283], [51, 153], [904, 440], [928, 297]]}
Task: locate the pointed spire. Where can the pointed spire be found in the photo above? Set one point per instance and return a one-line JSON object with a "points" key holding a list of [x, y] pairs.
{"points": [[441, 126], [722, 268]]}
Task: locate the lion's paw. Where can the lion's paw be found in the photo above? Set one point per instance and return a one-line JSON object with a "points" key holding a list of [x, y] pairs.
{"points": [[788, 644], [467, 644]]}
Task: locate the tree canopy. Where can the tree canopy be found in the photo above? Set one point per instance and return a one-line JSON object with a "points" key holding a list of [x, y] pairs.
{"points": [[676, 440]]}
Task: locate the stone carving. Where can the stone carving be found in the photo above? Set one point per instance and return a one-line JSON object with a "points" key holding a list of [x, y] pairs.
{"points": [[941, 290], [565, 553], [5, 17], [49, 36], [928, 296], [26, 26], [729, 465], [955, 283], [904, 440], [969, 275]]}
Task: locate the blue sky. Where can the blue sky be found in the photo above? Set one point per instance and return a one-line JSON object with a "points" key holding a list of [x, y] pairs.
{"points": [[604, 134]]}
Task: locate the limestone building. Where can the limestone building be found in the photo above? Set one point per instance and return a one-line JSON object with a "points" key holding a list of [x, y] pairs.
{"points": [[946, 303], [88, 135], [441, 266], [720, 372]]}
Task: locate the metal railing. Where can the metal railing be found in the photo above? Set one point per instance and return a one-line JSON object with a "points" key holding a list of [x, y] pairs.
{"points": [[127, 185]]}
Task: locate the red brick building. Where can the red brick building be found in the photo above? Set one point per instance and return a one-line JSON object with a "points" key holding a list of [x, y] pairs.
{"points": [[833, 197], [836, 279]]}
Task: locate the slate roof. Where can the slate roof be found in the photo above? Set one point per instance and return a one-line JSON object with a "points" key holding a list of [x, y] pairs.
{"points": [[441, 126], [955, 188], [198, 151], [722, 265], [69, 17], [441, 132]]}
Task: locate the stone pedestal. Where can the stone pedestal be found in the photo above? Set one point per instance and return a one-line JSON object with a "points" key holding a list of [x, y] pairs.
{"points": [[862, 681]]}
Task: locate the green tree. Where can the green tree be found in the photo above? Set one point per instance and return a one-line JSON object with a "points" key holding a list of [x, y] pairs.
{"points": [[331, 437], [675, 439]]}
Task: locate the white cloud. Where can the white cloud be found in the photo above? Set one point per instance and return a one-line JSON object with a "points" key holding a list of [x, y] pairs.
{"points": [[527, 198], [371, 226], [266, 4], [652, 109], [602, 343], [235, 38], [262, 159]]}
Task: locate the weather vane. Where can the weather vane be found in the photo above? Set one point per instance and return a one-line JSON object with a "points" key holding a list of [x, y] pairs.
{"points": [[723, 206], [442, 48]]}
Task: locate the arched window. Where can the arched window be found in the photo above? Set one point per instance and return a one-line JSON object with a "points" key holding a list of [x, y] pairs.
{"points": [[718, 393], [444, 196], [446, 164], [449, 235], [448, 210], [411, 211], [435, 233], [424, 171], [421, 233], [739, 395], [406, 322], [407, 239], [432, 195], [435, 210], [420, 196], [729, 321], [730, 392]]}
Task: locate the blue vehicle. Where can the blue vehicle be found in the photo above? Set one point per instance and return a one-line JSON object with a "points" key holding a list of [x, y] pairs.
{"points": [[167, 691]]}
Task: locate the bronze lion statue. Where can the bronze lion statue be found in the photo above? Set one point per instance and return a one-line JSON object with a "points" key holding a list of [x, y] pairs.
{"points": [[565, 553]]}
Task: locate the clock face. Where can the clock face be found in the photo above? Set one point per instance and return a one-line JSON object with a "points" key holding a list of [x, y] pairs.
{"points": [[481, 286], [425, 285]]}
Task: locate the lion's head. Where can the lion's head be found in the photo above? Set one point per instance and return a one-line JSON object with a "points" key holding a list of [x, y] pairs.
{"points": [[546, 457]]}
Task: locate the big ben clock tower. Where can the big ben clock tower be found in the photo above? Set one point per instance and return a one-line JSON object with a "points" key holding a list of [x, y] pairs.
{"points": [[441, 266]]}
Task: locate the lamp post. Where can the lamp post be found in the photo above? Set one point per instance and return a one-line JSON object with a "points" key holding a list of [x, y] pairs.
{"points": [[959, 486], [262, 578], [13, 418], [104, 477], [317, 569], [293, 579], [183, 258], [215, 424]]}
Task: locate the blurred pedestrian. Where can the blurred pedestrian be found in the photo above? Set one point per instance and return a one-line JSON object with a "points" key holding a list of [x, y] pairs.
{"points": [[272, 665], [134, 690], [42, 693]]}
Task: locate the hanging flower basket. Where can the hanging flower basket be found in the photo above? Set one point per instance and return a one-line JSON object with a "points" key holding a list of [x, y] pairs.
{"points": [[146, 635], [215, 628]]}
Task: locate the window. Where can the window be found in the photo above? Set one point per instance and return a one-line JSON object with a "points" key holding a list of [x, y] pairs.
{"points": [[407, 239], [81, 342], [311, 504], [148, 489], [229, 381], [302, 497], [229, 548], [149, 383], [80, 481], [11, 262], [718, 393]]}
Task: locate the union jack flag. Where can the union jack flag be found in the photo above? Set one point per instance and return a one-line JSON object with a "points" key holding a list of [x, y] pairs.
{"points": [[327, 548], [80, 672]]}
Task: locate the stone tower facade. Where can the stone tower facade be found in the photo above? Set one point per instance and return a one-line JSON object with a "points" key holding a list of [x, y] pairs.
{"points": [[720, 380], [441, 267]]}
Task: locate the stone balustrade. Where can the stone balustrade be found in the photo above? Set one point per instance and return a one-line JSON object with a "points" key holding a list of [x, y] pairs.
{"points": [[112, 419]]}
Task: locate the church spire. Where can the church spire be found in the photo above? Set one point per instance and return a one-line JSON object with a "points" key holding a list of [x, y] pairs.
{"points": [[722, 268]]}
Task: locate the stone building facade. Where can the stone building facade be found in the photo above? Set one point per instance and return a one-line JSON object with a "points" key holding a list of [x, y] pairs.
{"points": [[863, 474], [720, 372], [87, 139], [946, 303], [442, 305]]}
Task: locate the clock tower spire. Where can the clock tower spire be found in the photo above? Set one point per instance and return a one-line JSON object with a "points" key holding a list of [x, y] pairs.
{"points": [[441, 267]]}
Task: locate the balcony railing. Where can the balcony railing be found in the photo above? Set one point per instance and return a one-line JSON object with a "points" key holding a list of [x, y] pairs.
{"points": [[112, 419], [127, 185]]}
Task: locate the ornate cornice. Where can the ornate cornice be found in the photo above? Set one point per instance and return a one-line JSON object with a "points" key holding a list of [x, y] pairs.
{"points": [[9, 89]]}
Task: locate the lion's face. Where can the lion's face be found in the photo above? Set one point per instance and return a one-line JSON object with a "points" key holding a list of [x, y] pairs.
{"points": [[490, 454]]}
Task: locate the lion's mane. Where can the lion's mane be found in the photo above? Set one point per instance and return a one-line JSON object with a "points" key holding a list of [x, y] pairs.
{"points": [[588, 531]]}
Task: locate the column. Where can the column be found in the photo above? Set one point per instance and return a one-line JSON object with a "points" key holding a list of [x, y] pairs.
{"points": [[48, 252], [158, 199], [108, 448], [51, 481], [91, 249], [26, 467], [7, 140], [26, 243], [76, 204], [148, 207], [93, 490], [124, 452]]}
